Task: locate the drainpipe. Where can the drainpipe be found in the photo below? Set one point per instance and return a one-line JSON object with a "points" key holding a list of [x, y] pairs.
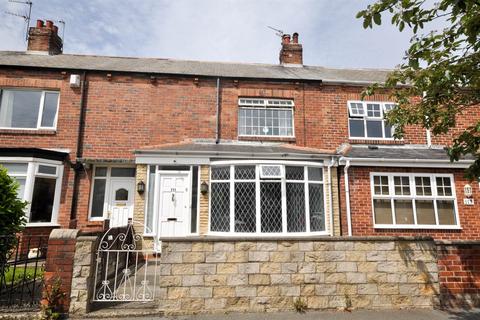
{"points": [[217, 123], [347, 198], [78, 166], [332, 162]]}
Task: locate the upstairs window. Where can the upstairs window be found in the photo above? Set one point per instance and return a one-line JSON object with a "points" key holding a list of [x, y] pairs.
{"points": [[367, 120], [28, 109], [265, 117]]}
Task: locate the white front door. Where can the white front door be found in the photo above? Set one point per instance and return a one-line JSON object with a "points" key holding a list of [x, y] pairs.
{"points": [[174, 204], [121, 201]]}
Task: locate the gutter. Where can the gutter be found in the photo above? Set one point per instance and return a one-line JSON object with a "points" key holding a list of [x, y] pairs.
{"points": [[406, 162], [347, 198], [78, 166]]}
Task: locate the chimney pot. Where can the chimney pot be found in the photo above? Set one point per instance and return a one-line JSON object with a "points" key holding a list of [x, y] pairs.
{"points": [[295, 37], [39, 23], [55, 29], [286, 39], [49, 24]]}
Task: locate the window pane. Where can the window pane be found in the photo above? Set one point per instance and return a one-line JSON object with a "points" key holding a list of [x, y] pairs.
{"points": [[49, 109], [388, 131], [403, 211], [380, 185], [423, 187], [446, 212], [294, 173], [245, 172], [296, 221], [444, 187], [315, 174], [357, 128], [317, 209], [356, 109], [98, 197], [271, 206], [150, 195], [15, 168], [425, 212], [265, 121], [373, 110], [19, 109], [382, 211], [42, 200], [220, 207], [245, 217], [123, 172], [402, 186], [220, 173], [374, 129], [100, 172], [47, 169]]}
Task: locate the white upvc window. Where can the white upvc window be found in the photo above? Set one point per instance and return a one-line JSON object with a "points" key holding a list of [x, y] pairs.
{"points": [[244, 200], [265, 117], [28, 109], [366, 120], [414, 201], [40, 183]]}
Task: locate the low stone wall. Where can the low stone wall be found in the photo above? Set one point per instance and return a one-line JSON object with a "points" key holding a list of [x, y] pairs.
{"points": [[459, 273], [233, 275]]}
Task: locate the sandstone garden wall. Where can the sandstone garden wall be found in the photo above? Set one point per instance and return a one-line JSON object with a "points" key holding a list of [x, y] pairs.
{"points": [[231, 275]]}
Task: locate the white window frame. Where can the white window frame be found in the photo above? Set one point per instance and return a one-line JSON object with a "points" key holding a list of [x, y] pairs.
{"points": [[40, 109], [413, 196], [108, 179], [258, 180], [32, 173], [383, 111], [265, 103]]}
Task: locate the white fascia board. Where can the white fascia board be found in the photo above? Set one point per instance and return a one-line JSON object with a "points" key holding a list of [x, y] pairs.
{"points": [[416, 163], [170, 160]]}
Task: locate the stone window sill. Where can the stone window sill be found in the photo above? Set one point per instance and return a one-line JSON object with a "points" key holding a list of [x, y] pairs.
{"points": [[373, 141], [27, 132], [272, 139]]}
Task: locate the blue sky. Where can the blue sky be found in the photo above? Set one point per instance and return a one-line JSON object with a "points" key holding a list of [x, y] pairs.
{"points": [[214, 30]]}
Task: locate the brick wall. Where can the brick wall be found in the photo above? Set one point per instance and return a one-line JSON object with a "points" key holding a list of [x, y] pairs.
{"points": [[361, 206], [231, 275], [459, 274]]}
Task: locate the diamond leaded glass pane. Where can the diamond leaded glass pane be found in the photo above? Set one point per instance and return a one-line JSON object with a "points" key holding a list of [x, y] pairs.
{"points": [[244, 172], [294, 173], [220, 210], [271, 206], [245, 217], [271, 171], [296, 207], [317, 210], [220, 173]]}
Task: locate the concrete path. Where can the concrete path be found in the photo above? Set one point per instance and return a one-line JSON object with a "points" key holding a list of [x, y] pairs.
{"points": [[355, 315]]}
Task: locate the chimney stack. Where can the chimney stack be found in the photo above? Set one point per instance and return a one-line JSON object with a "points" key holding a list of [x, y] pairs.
{"points": [[291, 52], [44, 38]]}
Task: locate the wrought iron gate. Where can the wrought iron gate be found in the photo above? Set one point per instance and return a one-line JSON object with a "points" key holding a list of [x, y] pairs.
{"points": [[126, 266]]}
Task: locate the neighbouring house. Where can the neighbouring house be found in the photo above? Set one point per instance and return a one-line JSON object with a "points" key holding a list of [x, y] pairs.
{"points": [[220, 149]]}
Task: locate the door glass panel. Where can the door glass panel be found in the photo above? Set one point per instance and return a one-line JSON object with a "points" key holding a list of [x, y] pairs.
{"points": [[100, 172], [403, 212], [193, 212], [383, 211], [42, 200], [151, 197], [98, 197], [121, 195], [123, 172], [425, 212]]}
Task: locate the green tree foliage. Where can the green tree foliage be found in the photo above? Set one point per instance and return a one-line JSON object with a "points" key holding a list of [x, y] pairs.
{"points": [[442, 66], [12, 216]]}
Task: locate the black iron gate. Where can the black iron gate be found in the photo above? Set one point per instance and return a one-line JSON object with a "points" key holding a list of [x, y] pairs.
{"points": [[21, 271]]}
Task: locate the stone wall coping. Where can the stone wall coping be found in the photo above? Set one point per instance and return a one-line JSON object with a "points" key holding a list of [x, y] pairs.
{"points": [[457, 242], [293, 238], [87, 238], [63, 234]]}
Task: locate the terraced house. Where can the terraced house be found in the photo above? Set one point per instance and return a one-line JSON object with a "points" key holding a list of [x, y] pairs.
{"points": [[192, 149]]}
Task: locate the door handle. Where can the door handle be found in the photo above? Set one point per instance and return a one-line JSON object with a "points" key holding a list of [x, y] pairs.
{"points": [[171, 219], [173, 196]]}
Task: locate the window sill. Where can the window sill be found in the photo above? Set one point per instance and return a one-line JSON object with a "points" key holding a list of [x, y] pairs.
{"points": [[375, 141], [419, 227], [262, 138], [41, 224], [28, 132]]}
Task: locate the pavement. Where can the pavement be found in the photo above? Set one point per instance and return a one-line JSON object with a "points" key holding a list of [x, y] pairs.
{"points": [[419, 314]]}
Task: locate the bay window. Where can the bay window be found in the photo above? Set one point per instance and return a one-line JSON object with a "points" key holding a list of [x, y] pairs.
{"points": [[265, 117], [413, 200], [39, 184], [254, 198], [28, 109], [367, 120]]}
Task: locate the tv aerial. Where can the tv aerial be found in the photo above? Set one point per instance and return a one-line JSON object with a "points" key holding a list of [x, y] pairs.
{"points": [[25, 16], [277, 31]]}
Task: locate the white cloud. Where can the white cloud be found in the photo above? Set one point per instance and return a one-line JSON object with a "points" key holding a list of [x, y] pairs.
{"points": [[219, 30]]}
